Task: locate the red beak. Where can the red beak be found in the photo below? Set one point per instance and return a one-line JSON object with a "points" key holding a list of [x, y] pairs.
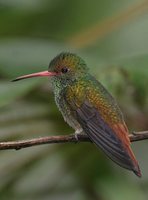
{"points": [[44, 73]]}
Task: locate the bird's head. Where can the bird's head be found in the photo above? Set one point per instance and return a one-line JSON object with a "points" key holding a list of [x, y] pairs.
{"points": [[65, 66]]}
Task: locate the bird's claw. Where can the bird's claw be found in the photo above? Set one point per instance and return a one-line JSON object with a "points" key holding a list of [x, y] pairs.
{"points": [[76, 137], [78, 132]]}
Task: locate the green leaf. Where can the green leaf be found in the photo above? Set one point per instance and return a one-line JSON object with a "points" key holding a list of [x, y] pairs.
{"points": [[10, 91], [25, 56]]}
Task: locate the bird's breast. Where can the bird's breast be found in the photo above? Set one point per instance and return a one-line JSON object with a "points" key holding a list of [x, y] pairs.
{"points": [[65, 110]]}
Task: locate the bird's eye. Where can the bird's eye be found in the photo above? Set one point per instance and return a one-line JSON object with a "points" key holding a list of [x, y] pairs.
{"points": [[64, 70]]}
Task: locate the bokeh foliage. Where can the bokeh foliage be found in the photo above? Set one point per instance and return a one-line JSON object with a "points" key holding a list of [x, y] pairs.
{"points": [[112, 37]]}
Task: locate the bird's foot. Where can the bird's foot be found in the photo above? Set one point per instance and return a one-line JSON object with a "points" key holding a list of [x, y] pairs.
{"points": [[77, 133]]}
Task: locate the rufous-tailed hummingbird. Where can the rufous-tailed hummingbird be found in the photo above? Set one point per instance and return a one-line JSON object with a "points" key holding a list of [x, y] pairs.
{"points": [[89, 108]]}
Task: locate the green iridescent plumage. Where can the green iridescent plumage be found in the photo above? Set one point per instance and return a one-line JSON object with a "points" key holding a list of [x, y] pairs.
{"points": [[89, 108], [79, 83]]}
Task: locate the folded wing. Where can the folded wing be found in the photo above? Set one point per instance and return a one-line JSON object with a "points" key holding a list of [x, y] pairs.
{"points": [[105, 136]]}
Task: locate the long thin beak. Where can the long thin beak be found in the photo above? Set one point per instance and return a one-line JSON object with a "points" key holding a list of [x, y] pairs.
{"points": [[44, 73]]}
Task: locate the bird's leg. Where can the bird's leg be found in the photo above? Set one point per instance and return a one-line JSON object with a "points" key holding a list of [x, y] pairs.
{"points": [[77, 133]]}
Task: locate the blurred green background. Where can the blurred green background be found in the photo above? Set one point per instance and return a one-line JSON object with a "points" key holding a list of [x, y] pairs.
{"points": [[112, 37]]}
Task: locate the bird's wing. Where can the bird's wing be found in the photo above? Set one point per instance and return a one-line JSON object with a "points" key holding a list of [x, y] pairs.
{"points": [[102, 135], [113, 140]]}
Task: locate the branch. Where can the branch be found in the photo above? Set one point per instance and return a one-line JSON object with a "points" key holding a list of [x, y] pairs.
{"points": [[135, 136]]}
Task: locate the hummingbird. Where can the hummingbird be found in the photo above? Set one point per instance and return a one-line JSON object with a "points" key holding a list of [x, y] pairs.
{"points": [[89, 108]]}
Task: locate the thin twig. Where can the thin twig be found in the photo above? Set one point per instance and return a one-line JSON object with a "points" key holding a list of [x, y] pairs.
{"points": [[135, 136]]}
